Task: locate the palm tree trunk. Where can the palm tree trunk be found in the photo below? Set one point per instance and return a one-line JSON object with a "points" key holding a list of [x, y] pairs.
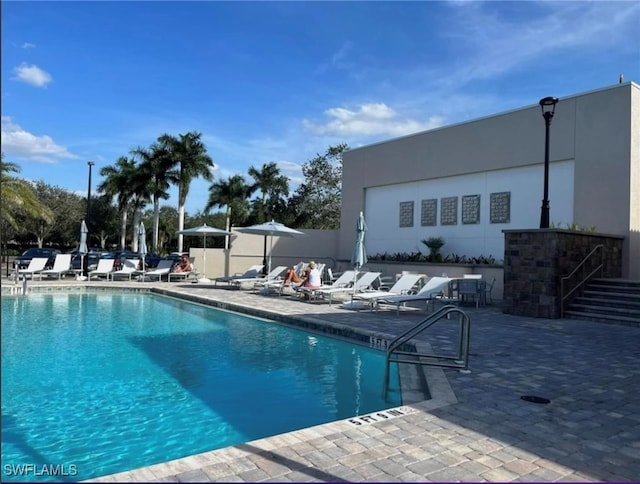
{"points": [[180, 226], [136, 223], [156, 222], [123, 230], [228, 226]]}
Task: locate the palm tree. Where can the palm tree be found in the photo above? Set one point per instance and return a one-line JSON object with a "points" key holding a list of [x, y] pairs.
{"points": [[18, 195], [155, 166], [273, 188], [233, 194], [118, 184], [192, 159]]}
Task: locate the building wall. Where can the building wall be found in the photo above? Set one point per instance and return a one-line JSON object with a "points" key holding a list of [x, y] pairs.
{"points": [[246, 250], [471, 239], [595, 133]]}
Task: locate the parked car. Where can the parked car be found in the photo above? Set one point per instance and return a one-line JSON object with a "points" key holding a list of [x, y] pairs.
{"points": [[119, 255], [23, 260], [92, 258]]}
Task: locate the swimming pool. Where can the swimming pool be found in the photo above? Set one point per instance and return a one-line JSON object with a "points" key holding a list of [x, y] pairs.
{"points": [[94, 384]]}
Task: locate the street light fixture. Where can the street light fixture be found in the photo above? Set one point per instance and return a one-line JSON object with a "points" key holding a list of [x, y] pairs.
{"points": [[548, 106], [85, 269]]}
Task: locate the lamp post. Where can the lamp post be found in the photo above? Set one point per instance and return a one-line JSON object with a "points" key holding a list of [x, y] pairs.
{"points": [[548, 106], [85, 268]]}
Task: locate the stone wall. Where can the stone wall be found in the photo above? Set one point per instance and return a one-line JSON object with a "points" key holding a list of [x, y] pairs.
{"points": [[536, 260]]}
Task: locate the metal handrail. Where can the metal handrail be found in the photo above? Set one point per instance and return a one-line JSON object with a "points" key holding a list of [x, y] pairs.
{"points": [[461, 360], [585, 278]]}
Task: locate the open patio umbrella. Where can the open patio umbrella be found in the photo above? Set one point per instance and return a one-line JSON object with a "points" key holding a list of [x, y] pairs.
{"points": [[142, 243], [82, 249], [203, 231], [270, 228]]}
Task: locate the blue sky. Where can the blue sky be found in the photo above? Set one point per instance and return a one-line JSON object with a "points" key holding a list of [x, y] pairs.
{"points": [[283, 81]]}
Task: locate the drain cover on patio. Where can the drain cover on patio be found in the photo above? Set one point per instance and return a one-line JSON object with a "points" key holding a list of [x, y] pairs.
{"points": [[534, 399]]}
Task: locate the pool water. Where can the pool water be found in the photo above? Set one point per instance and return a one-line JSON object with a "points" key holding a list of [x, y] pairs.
{"points": [[94, 384]]}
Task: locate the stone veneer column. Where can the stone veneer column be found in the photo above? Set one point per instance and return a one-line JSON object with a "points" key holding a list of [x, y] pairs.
{"points": [[536, 260]]}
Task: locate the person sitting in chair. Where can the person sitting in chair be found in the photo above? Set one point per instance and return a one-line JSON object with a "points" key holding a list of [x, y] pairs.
{"points": [[311, 276], [182, 265]]}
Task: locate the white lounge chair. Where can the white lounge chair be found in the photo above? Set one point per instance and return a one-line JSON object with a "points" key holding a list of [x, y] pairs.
{"points": [[402, 286], [364, 282], [184, 275], [129, 269], [428, 293], [61, 266], [252, 280], [278, 284], [163, 268], [253, 271], [36, 265], [105, 267]]}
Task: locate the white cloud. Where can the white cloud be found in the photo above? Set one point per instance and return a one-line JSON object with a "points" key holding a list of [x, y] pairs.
{"points": [[369, 120], [18, 142], [32, 74], [28, 45]]}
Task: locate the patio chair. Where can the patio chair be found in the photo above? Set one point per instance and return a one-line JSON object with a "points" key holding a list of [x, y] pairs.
{"points": [[488, 290], [278, 284], [105, 267], [402, 286], [470, 289], [251, 272], [428, 293], [184, 275], [61, 266], [163, 269], [129, 269], [364, 282], [36, 265], [275, 273]]}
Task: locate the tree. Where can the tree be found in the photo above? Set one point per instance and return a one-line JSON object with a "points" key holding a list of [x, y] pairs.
{"points": [[18, 196], [233, 194], [118, 184], [190, 154], [317, 201], [274, 188], [155, 167]]}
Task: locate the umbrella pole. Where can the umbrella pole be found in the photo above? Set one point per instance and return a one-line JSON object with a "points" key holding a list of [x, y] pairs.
{"points": [[264, 257]]}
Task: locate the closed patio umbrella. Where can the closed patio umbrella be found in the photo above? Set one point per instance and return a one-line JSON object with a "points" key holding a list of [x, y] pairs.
{"points": [[359, 256], [83, 250], [203, 231], [142, 243]]}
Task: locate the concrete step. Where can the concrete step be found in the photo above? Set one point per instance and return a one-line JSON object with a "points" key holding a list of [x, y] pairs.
{"points": [[600, 299], [603, 318]]}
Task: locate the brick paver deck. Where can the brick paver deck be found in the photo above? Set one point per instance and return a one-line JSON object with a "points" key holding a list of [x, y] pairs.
{"points": [[476, 428]]}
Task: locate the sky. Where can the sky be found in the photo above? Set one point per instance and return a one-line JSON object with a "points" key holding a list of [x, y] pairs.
{"points": [[283, 81]]}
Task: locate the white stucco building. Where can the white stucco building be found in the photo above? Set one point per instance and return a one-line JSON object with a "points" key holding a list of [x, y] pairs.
{"points": [[470, 181]]}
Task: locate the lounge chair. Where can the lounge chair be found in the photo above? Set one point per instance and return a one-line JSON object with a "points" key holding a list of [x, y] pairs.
{"points": [[364, 282], [129, 269], [428, 293], [61, 266], [184, 275], [36, 265], [402, 286], [163, 269], [278, 284], [105, 267], [274, 274], [253, 271]]}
